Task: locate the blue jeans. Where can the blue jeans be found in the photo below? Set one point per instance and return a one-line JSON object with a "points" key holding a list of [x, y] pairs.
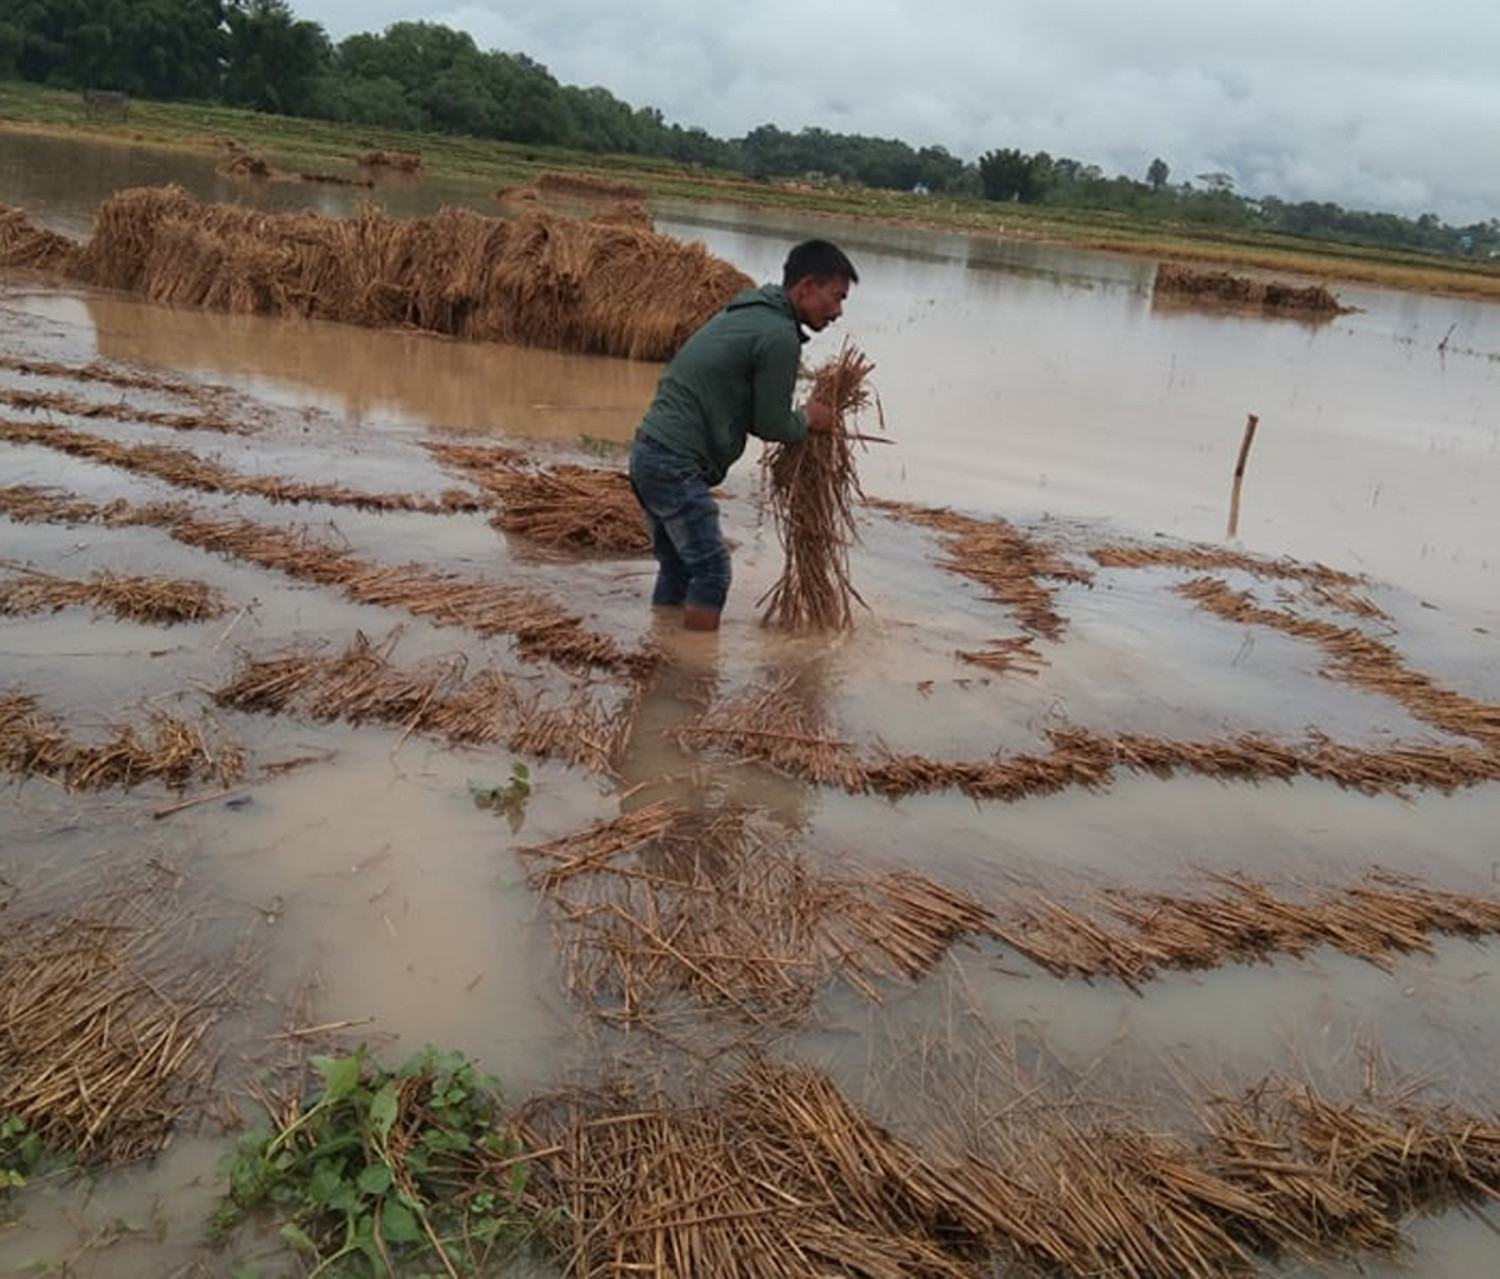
{"points": [[692, 560]]}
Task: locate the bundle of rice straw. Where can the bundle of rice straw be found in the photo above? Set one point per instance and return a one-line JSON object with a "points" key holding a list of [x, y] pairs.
{"points": [[32, 247], [813, 491]]}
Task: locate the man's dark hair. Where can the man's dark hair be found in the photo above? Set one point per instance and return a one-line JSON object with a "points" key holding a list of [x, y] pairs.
{"points": [[819, 259]]}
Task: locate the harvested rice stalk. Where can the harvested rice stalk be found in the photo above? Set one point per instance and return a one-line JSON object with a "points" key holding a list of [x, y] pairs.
{"points": [[776, 1178], [1016, 653], [75, 406], [1178, 281], [101, 1045], [438, 699], [35, 248], [580, 183], [401, 161], [177, 754], [185, 469], [773, 1172], [777, 726], [1008, 563], [813, 489], [537, 280], [665, 902], [1358, 659], [1204, 558], [542, 630], [162, 601], [570, 506]]}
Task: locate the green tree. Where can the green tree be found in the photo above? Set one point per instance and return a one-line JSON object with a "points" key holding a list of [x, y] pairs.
{"points": [[1157, 173], [1009, 174], [12, 41], [157, 48], [529, 105], [354, 100], [274, 59], [413, 54], [599, 121]]}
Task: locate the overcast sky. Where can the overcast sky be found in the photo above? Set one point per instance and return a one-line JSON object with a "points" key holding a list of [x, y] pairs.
{"points": [[1372, 104]]}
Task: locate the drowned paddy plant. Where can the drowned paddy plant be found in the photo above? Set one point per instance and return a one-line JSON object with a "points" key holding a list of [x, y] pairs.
{"points": [[508, 799], [387, 1172], [20, 1153]]}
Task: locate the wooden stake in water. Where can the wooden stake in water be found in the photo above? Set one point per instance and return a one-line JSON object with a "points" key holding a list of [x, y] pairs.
{"points": [[1239, 474]]}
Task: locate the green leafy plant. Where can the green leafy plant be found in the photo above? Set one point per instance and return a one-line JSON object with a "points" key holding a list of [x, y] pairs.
{"points": [[384, 1168], [509, 799], [600, 447], [20, 1153]]}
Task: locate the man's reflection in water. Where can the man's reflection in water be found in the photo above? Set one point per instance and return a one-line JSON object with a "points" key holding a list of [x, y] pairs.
{"points": [[656, 767]]}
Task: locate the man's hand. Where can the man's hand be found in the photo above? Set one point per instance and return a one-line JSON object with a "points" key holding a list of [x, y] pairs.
{"points": [[819, 416]]}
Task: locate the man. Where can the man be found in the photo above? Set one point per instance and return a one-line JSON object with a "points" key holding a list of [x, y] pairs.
{"points": [[733, 378]]}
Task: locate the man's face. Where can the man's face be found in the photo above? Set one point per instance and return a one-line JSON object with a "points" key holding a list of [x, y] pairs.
{"points": [[819, 303]]}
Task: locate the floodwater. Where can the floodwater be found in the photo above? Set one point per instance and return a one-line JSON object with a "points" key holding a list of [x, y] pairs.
{"points": [[1016, 380]]}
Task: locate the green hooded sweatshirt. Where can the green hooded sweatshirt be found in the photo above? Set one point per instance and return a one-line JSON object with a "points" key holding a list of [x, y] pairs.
{"points": [[735, 376]]}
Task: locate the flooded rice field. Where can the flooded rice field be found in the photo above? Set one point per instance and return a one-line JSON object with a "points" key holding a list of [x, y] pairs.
{"points": [[1097, 814]]}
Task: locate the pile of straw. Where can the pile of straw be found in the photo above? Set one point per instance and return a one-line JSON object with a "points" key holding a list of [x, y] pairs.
{"points": [[1206, 558], [572, 506], [245, 164], [52, 402], [125, 379], [631, 213], [541, 630], [539, 280], [580, 507], [35, 248], [187, 470], [588, 185], [440, 699], [33, 504], [524, 196], [101, 1045], [777, 1176], [177, 753], [1374, 920], [1180, 281], [775, 1172], [772, 726], [1008, 564], [781, 727], [162, 601], [1359, 660], [401, 161], [813, 489], [664, 903]]}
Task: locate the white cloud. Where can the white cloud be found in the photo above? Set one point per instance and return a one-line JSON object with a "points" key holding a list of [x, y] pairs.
{"points": [[1367, 103]]}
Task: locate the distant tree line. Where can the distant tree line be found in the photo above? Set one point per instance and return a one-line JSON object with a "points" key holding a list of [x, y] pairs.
{"points": [[424, 76]]}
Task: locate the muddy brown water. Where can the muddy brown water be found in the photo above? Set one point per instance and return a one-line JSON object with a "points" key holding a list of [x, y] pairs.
{"points": [[1022, 381]]}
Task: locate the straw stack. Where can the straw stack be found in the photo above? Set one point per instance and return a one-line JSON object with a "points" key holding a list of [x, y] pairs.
{"points": [[540, 280]]}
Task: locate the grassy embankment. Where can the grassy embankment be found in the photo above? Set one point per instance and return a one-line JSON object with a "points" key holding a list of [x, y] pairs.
{"points": [[314, 145]]}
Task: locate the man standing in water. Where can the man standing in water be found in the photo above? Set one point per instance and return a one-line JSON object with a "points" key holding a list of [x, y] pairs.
{"points": [[733, 378]]}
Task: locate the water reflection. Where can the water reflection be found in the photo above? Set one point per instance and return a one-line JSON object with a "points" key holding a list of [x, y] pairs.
{"points": [[1016, 378], [371, 375]]}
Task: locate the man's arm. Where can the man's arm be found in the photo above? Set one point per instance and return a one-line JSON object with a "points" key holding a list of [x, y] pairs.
{"points": [[772, 415]]}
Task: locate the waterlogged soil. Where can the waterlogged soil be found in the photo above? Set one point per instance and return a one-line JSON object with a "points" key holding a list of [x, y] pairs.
{"points": [[1034, 385]]}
